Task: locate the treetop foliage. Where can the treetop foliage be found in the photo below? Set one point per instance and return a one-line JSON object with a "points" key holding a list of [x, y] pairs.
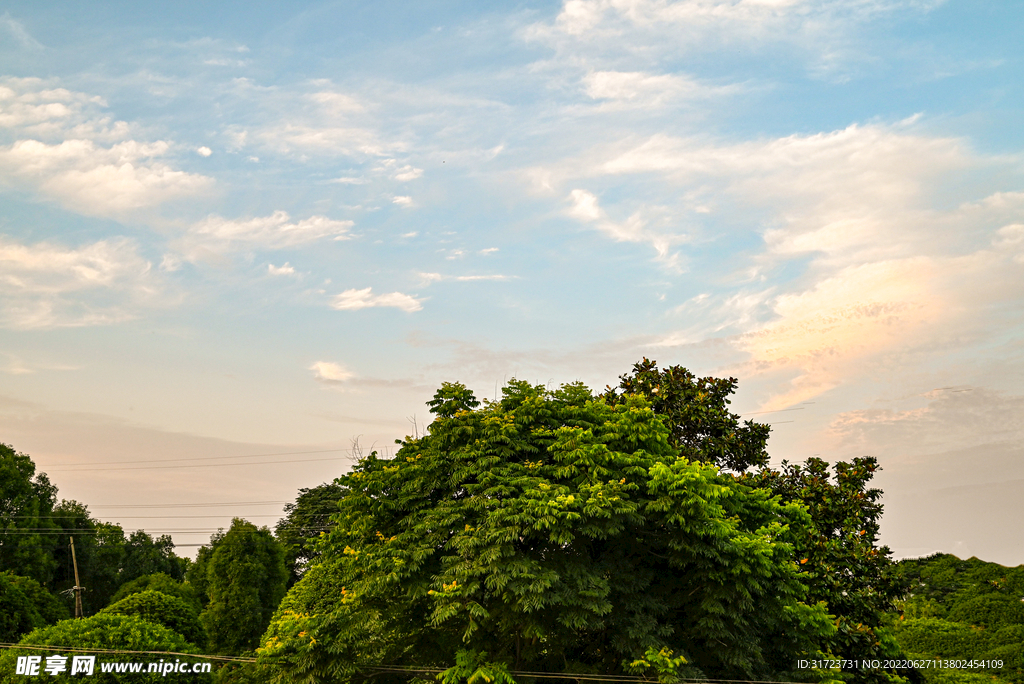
{"points": [[696, 411], [162, 582], [549, 530]]}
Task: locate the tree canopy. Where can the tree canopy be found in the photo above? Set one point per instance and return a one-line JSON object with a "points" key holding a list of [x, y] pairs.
{"points": [[169, 611], [548, 531], [696, 411], [246, 580], [26, 505]]}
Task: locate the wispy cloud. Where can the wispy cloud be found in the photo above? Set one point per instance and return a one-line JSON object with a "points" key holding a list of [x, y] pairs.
{"points": [[17, 31], [585, 208], [428, 278], [353, 300], [216, 235], [824, 29]]}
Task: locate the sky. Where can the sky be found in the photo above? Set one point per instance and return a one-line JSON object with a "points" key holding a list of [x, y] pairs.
{"points": [[243, 242]]}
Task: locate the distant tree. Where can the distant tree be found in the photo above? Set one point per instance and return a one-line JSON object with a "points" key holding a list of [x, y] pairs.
{"points": [[164, 583], [169, 611], [145, 555], [696, 412], [198, 574], [99, 549], [964, 609], [113, 632], [550, 531], [26, 504], [246, 580], [305, 521]]}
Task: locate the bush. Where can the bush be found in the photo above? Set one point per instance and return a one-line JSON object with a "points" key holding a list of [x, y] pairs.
{"points": [[169, 611]]}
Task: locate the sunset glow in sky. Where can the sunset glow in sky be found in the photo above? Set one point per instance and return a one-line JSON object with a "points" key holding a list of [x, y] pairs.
{"points": [[239, 233]]}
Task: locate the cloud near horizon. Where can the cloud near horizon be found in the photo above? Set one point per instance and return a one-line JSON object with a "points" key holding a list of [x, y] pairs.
{"points": [[46, 285]]}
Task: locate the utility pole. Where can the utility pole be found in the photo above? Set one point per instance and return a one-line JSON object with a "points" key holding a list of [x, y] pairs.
{"points": [[77, 587]]}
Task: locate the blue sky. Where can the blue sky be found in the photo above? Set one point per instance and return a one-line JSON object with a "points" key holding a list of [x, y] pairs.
{"points": [[255, 228]]}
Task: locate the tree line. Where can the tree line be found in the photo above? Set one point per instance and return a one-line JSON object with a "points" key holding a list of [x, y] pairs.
{"points": [[635, 531]]}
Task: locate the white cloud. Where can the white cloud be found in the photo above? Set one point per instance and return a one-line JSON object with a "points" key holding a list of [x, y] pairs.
{"points": [[286, 269], [831, 38], [67, 149], [636, 88], [323, 122], [402, 200], [351, 300], [331, 373], [408, 173], [204, 151], [46, 285], [217, 235]]}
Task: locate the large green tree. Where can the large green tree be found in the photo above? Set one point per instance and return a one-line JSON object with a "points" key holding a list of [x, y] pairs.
{"points": [[24, 606], [549, 531], [245, 579], [164, 583]]}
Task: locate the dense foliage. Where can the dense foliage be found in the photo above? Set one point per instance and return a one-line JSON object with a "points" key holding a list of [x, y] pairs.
{"points": [[246, 579], [169, 611], [165, 584], [839, 556], [50, 608], [115, 632], [964, 609], [548, 531]]}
